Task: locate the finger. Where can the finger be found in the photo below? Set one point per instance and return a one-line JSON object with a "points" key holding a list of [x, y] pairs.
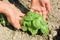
{"points": [[17, 25], [8, 19], [44, 12], [14, 23], [21, 14], [42, 4], [39, 10], [20, 18], [32, 10], [48, 8], [44, 15]]}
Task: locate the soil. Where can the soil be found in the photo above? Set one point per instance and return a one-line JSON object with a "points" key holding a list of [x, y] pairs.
{"points": [[53, 19]]}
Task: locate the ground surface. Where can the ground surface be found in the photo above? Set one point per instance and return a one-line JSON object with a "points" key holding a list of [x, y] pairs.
{"points": [[53, 19]]}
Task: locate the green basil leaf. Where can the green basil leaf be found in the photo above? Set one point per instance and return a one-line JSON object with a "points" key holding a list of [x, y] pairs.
{"points": [[36, 24], [44, 30], [33, 31]]}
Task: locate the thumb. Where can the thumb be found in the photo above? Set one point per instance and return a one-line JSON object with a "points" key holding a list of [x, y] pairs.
{"points": [[14, 23]]}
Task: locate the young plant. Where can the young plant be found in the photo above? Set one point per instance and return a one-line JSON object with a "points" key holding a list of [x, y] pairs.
{"points": [[34, 22]]}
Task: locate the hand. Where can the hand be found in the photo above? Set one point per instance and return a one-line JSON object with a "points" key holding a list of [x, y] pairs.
{"points": [[12, 14], [45, 3], [40, 6]]}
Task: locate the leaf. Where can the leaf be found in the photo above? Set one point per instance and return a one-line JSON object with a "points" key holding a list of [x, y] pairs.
{"points": [[36, 24], [34, 15], [44, 30], [43, 22], [24, 28], [33, 31], [29, 18]]}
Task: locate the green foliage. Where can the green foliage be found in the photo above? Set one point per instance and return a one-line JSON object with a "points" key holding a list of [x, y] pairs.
{"points": [[33, 22]]}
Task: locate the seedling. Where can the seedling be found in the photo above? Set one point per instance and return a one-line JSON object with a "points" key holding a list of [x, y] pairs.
{"points": [[33, 22]]}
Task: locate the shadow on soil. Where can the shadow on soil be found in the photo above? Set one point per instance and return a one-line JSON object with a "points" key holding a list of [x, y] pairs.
{"points": [[57, 37]]}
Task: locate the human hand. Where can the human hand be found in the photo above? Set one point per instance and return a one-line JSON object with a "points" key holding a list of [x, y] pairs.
{"points": [[12, 14], [41, 6], [45, 3]]}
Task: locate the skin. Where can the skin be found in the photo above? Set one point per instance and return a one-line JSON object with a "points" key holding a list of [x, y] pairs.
{"points": [[40, 6], [14, 16]]}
